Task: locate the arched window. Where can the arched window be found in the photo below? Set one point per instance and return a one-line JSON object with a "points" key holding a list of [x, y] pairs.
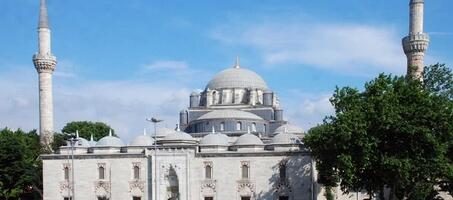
{"points": [[245, 171], [136, 172], [265, 128], [282, 173], [222, 126], [254, 127], [101, 170], [66, 173], [238, 126], [208, 172]]}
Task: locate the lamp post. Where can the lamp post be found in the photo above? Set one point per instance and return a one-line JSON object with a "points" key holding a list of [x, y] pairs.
{"points": [[72, 141], [155, 121]]}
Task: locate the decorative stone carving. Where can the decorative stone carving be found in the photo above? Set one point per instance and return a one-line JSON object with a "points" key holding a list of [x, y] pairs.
{"points": [[208, 186], [102, 188], [66, 188], [137, 188], [246, 187]]}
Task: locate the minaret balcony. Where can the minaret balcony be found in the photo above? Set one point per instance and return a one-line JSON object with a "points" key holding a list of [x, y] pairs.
{"points": [[415, 43], [44, 62]]}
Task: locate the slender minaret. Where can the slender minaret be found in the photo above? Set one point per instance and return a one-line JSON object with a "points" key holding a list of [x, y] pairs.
{"points": [[416, 43], [45, 64]]}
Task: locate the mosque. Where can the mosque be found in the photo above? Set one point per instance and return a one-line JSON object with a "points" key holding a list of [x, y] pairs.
{"points": [[232, 143]]}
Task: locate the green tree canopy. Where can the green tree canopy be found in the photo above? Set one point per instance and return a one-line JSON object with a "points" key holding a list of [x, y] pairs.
{"points": [[396, 134], [20, 167], [87, 128]]}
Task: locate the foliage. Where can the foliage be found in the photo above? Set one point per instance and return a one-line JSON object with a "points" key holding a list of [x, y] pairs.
{"points": [[20, 167], [329, 194], [396, 134], [86, 129]]}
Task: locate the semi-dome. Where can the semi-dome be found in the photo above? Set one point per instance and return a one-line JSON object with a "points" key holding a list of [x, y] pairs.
{"points": [[248, 139], [285, 138], [142, 140], [229, 114], [214, 139], [237, 78], [289, 128], [110, 141]]}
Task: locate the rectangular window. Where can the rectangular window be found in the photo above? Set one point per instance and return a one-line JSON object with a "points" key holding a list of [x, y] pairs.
{"points": [[136, 172], [238, 126], [245, 172], [101, 172], [209, 198], [136, 198], [283, 198], [208, 172], [245, 198]]}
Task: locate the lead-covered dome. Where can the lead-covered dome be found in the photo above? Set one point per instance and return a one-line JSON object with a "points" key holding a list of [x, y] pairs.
{"points": [[237, 78], [285, 138], [289, 128], [110, 141], [214, 139], [229, 114], [248, 139], [142, 140]]}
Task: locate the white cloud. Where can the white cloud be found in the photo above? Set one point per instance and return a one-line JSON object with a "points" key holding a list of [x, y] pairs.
{"points": [[122, 104], [307, 109], [348, 48], [167, 65]]}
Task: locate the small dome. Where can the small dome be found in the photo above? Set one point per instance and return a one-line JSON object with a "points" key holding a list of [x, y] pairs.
{"points": [[248, 139], [142, 140], [285, 138], [237, 78], [214, 139], [162, 132], [289, 128], [81, 142], [92, 142], [229, 114], [178, 135], [110, 141]]}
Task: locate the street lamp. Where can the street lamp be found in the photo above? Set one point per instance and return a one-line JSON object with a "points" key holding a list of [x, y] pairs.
{"points": [[155, 121], [72, 141]]}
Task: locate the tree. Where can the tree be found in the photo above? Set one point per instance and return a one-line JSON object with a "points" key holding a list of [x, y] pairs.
{"points": [[87, 128], [397, 134], [20, 167]]}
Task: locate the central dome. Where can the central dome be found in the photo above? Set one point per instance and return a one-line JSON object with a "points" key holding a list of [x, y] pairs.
{"points": [[237, 78]]}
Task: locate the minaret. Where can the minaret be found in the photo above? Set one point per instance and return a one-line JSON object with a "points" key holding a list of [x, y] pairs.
{"points": [[45, 64], [416, 43]]}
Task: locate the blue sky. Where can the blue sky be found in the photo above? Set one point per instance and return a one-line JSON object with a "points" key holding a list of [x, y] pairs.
{"points": [[120, 61]]}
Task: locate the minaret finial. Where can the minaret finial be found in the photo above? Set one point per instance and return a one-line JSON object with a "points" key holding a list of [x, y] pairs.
{"points": [[177, 127], [110, 132], [77, 133], [91, 138], [236, 65], [43, 18]]}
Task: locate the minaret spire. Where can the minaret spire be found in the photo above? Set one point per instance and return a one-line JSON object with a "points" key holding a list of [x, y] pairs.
{"points": [[416, 43], [43, 18], [45, 64]]}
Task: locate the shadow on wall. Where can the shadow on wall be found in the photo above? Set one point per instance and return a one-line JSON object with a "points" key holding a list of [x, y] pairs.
{"points": [[291, 180]]}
